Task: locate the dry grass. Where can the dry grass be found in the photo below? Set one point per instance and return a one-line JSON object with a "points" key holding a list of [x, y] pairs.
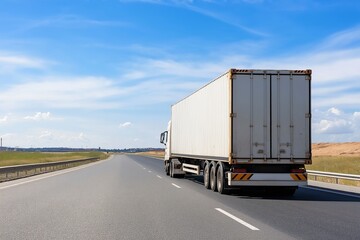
{"points": [[19, 158], [157, 154]]}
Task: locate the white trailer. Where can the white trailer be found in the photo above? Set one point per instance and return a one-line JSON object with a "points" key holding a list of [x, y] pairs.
{"points": [[245, 128]]}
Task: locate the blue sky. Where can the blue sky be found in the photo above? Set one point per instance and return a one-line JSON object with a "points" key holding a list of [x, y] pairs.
{"points": [[104, 73]]}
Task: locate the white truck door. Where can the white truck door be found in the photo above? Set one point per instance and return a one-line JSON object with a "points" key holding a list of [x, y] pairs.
{"points": [[290, 118], [251, 120]]}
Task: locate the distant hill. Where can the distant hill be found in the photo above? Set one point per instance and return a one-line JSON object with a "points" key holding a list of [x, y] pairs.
{"points": [[336, 149]]}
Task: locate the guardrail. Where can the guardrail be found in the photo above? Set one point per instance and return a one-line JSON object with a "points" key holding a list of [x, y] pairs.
{"points": [[20, 171], [337, 176]]}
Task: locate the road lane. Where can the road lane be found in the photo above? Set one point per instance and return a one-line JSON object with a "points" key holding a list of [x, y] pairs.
{"points": [[118, 199], [309, 214]]}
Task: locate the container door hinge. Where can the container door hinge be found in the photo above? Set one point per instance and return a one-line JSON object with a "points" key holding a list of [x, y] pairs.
{"points": [[233, 115], [307, 115]]}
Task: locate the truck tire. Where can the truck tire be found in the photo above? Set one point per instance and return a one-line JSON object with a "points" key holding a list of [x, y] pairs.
{"points": [[167, 168], [221, 183], [207, 175], [171, 169], [213, 176]]}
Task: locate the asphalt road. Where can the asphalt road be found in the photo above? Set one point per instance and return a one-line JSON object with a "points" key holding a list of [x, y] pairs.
{"points": [[130, 197]]}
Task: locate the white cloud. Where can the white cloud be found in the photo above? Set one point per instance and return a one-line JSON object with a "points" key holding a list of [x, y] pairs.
{"points": [[4, 119], [335, 125], [62, 92], [125, 124], [46, 134], [356, 115], [14, 61], [39, 116], [343, 38], [338, 126], [334, 111]]}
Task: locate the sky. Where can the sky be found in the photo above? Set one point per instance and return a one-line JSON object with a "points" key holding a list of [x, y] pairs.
{"points": [[104, 73]]}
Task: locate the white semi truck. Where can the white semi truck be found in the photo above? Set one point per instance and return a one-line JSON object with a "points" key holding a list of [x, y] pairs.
{"points": [[246, 128]]}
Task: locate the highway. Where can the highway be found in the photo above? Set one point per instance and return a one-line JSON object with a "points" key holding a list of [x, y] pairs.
{"points": [[130, 197]]}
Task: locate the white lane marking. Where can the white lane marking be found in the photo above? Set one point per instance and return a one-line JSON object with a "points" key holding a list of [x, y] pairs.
{"points": [[330, 191], [149, 171], [237, 219], [175, 185], [159, 176], [144, 168], [52, 175]]}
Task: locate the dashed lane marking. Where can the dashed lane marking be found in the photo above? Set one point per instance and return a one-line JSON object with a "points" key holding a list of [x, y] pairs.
{"points": [[248, 225], [175, 185]]}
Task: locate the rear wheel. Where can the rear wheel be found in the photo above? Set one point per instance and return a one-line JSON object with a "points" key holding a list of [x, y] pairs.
{"points": [[167, 168], [171, 167], [213, 176], [221, 183], [207, 175]]}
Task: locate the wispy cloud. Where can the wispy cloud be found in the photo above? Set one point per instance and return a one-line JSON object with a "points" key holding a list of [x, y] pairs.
{"points": [[343, 39], [17, 61], [70, 21], [192, 5], [62, 92], [125, 124], [39, 116], [4, 119]]}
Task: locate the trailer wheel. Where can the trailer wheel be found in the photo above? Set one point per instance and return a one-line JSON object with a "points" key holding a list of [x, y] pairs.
{"points": [[213, 176], [220, 179], [207, 175], [167, 168], [171, 169]]}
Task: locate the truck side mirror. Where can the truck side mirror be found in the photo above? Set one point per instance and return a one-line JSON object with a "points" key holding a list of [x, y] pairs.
{"points": [[163, 137]]}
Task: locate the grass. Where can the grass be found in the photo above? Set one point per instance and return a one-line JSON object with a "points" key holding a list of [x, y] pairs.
{"points": [[337, 164], [19, 158]]}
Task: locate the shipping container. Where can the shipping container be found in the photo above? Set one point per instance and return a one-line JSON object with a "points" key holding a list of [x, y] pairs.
{"points": [[253, 125]]}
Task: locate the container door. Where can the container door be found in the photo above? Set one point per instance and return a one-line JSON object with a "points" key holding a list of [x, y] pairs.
{"points": [[251, 120], [290, 108]]}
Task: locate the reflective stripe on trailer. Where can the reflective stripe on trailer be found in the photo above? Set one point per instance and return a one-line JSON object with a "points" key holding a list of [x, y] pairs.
{"points": [[267, 179], [241, 176], [299, 176]]}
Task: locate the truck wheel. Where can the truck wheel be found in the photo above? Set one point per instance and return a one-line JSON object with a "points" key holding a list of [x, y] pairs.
{"points": [[167, 168], [220, 179], [207, 175], [213, 177], [171, 169]]}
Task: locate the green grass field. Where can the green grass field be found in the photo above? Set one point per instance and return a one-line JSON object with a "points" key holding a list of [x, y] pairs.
{"points": [[18, 158], [338, 164]]}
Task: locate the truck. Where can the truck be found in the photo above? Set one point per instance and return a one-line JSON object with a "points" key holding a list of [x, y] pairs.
{"points": [[248, 128]]}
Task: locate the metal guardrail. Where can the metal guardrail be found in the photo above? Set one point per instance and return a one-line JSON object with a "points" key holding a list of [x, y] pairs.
{"points": [[20, 171], [337, 176]]}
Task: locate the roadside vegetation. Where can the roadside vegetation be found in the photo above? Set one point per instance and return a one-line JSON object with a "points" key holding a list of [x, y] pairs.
{"points": [[19, 158], [156, 154], [338, 164]]}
